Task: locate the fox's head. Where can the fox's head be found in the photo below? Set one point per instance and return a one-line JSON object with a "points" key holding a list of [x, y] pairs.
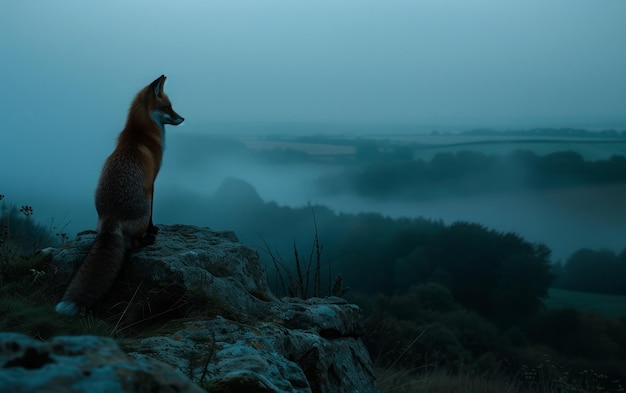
{"points": [[159, 105]]}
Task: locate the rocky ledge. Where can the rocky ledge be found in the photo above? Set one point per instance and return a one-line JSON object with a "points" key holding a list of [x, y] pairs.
{"points": [[250, 341]]}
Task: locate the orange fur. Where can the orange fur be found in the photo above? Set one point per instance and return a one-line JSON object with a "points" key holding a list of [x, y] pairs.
{"points": [[124, 197]]}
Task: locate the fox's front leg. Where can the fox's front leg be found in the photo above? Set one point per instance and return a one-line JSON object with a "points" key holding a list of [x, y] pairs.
{"points": [[152, 229], [147, 234]]}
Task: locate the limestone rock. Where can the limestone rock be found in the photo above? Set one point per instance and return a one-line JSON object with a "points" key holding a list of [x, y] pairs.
{"points": [[87, 364], [196, 259], [254, 341]]}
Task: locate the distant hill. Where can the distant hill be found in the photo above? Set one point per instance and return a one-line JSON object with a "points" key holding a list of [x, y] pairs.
{"points": [[550, 132]]}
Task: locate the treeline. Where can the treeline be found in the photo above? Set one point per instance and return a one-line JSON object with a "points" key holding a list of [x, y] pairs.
{"points": [[378, 254], [469, 173], [373, 159], [599, 271], [498, 275], [550, 132]]}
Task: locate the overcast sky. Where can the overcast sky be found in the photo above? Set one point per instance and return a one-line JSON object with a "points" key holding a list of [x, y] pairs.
{"points": [[69, 70], [440, 62]]}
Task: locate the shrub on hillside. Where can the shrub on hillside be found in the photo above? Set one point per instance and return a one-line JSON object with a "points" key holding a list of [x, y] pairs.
{"points": [[434, 296], [499, 275], [20, 235], [426, 328], [590, 344], [477, 335], [575, 333]]}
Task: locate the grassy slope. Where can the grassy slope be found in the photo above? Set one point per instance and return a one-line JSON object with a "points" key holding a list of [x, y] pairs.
{"points": [[607, 305]]}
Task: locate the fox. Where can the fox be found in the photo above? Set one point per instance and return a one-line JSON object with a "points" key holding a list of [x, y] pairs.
{"points": [[124, 198]]}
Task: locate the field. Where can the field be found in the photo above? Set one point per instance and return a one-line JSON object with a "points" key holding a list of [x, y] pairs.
{"points": [[426, 146], [607, 305]]}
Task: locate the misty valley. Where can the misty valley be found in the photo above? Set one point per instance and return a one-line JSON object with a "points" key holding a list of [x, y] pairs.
{"points": [[499, 250], [464, 238], [549, 186]]}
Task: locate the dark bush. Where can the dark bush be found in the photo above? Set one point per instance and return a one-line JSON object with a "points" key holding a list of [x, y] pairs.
{"points": [[434, 297], [476, 334], [499, 275], [600, 271], [574, 333]]}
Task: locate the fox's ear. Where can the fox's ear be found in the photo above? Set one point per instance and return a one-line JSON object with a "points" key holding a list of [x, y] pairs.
{"points": [[157, 85]]}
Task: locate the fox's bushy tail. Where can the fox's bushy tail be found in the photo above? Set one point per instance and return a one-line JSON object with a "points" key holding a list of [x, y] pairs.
{"points": [[97, 273]]}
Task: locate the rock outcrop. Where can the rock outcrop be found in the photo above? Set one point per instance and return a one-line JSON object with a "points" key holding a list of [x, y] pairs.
{"points": [[245, 339], [82, 364]]}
